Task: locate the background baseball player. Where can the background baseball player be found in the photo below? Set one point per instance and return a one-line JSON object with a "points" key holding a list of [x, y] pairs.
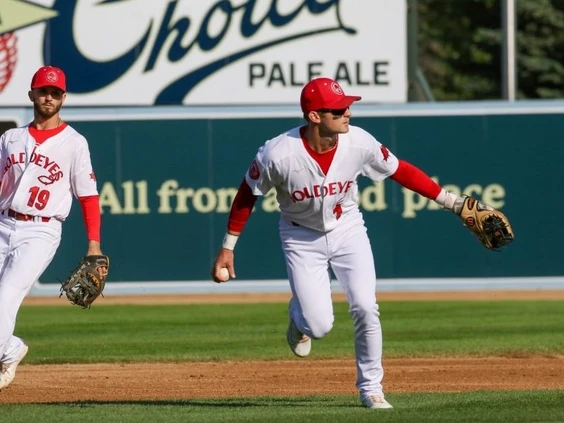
{"points": [[314, 169], [43, 164]]}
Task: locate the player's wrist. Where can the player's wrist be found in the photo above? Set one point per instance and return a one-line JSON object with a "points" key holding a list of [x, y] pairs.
{"points": [[450, 201], [229, 241]]}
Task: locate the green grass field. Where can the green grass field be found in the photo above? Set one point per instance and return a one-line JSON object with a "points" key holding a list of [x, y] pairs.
{"points": [[112, 333]]}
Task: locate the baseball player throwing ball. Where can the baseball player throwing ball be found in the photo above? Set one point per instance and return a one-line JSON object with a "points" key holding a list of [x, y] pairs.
{"points": [[314, 169], [43, 165]]}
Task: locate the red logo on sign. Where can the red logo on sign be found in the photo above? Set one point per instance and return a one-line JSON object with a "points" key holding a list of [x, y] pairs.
{"points": [[254, 171]]}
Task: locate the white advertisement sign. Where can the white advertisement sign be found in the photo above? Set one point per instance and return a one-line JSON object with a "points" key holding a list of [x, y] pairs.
{"points": [[203, 52]]}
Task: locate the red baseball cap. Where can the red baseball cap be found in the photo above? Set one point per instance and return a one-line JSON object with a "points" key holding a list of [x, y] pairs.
{"points": [[49, 76], [325, 93]]}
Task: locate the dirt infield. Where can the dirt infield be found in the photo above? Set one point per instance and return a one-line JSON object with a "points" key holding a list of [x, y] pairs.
{"points": [[188, 380], [162, 381]]}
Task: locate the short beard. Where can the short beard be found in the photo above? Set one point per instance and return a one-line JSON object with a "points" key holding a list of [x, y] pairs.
{"points": [[43, 114]]}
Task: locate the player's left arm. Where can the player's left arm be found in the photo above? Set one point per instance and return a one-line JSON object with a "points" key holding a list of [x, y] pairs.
{"points": [[83, 185], [90, 206], [413, 178]]}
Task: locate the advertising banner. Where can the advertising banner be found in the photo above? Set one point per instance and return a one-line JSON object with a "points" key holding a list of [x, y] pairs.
{"points": [[203, 52], [166, 185]]}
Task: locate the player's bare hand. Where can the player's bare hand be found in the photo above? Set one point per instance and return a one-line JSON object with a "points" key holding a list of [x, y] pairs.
{"points": [[224, 260]]}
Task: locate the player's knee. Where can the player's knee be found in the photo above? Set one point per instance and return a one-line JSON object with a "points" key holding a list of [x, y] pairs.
{"points": [[319, 326]]}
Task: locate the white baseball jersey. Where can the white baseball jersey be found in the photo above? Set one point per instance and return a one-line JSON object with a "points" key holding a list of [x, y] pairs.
{"points": [[306, 195], [40, 180]]}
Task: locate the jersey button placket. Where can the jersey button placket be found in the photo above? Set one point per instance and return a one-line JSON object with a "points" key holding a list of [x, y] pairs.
{"points": [[322, 197]]}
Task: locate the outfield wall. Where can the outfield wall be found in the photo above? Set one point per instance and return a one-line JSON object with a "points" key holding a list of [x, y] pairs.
{"points": [[167, 176]]}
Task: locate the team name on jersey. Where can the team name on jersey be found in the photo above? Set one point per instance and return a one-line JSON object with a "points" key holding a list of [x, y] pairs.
{"points": [[40, 160], [332, 188]]}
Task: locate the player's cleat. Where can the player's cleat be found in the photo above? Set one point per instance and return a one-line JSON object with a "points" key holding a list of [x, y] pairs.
{"points": [[299, 343], [375, 401], [8, 370]]}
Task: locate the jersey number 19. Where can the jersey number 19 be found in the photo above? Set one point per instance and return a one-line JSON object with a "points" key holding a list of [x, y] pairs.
{"points": [[38, 198]]}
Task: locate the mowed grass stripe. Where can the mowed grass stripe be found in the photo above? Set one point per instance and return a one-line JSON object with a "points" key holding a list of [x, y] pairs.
{"points": [[480, 406], [128, 333]]}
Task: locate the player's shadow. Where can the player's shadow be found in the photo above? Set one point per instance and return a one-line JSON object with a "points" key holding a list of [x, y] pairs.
{"points": [[214, 403]]}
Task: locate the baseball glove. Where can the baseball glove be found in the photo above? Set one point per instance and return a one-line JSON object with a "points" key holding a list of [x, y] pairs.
{"points": [[490, 226], [87, 281]]}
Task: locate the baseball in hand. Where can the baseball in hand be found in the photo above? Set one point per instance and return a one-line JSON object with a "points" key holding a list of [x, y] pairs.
{"points": [[223, 274]]}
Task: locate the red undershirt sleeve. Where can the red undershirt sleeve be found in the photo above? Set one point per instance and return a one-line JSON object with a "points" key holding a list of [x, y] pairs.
{"points": [[241, 208], [91, 214], [416, 180]]}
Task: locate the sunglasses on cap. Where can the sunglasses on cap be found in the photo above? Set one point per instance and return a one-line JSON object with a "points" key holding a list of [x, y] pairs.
{"points": [[334, 112]]}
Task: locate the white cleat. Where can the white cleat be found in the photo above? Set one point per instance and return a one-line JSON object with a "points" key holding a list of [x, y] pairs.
{"points": [[8, 370], [299, 343], [375, 401]]}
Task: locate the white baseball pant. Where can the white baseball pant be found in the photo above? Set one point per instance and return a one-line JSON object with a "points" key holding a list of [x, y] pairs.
{"points": [[26, 249], [347, 251]]}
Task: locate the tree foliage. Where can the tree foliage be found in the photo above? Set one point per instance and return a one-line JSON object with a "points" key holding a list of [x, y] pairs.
{"points": [[461, 48]]}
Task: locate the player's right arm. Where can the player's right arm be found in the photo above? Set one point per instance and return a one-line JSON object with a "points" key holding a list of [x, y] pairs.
{"points": [[238, 216], [257, 182]]}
